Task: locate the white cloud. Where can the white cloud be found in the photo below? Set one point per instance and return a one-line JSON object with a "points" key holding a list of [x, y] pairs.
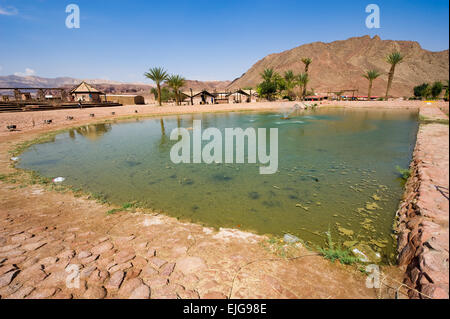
{"points": [[28, 72], [8, 11]]}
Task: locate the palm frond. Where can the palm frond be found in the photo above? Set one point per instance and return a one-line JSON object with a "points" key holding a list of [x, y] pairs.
{"points": [[394, 58], [371, 74], [157, 74]]}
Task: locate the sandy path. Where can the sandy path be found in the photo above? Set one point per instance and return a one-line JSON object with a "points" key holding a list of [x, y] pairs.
{"points": [[34, 121]]}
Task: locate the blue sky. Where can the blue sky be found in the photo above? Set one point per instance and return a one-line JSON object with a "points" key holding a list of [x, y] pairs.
{"points": [[202, 40]]}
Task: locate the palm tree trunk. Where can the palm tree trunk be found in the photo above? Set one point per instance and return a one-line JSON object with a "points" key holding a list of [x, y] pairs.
{"points": [[391, 77], [304, 92], [159, 93], [304, 88], [370, 90]]}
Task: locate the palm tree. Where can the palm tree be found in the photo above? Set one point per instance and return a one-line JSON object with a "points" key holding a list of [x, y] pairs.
{"points": [[393, 59], [289, 77], [267, 75], [158, 75], [307, 62], [371, 75], [303, 80], [176, 82]]}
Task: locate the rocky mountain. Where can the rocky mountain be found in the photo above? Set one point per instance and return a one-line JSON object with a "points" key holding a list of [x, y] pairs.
{"points": [[339, 65], [336, 66]]}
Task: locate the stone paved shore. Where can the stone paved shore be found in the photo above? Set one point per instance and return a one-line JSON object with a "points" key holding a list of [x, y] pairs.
{"points": [[423, 242], [136, 255], [44, 234]]}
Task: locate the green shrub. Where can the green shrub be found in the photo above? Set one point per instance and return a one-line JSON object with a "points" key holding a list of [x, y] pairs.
{"points": [[267, 89], [422, 91], [436, 89]]}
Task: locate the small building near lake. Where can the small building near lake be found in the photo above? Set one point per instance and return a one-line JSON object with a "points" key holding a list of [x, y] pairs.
{"points": [[125, 99], [85, 92], [198, 97], [240, 96], [316, 97]]}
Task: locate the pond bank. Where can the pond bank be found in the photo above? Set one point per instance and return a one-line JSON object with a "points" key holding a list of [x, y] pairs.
{"points": [[42, 231], [423, 216]]}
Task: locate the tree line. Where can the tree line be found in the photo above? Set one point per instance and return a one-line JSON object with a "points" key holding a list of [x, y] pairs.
{"points": [[274, 85], [174, 82], [431, 91]]}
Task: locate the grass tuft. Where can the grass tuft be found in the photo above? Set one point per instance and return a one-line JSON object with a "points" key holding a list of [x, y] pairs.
{"points": [[405, 173], [125, 207], [333, 253], [113, 211], [426, 120]]}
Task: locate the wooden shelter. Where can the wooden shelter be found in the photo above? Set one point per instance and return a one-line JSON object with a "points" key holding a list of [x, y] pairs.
{"points": [[366, 98], [22, 99], [316, 97], [84, 92], [240, 96], [222, 97], [199, 97]]}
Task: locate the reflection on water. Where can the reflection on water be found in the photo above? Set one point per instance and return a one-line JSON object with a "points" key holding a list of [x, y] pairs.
{"points": [[336, 172], [92, 132]]}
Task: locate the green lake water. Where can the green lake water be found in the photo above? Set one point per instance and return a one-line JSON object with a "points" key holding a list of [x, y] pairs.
{"points": [[336, 172]]}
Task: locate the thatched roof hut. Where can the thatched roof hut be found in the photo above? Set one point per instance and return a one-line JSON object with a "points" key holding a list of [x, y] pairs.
{"points": [[86, 93]]}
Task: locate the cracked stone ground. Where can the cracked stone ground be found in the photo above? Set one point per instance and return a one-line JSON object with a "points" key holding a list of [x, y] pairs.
{"points": [[138, 255], [43, 234]]}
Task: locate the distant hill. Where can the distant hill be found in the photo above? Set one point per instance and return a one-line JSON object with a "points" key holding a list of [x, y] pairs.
{"points": [[340, 64], [207, 85], [107, 86], [36, 81]]}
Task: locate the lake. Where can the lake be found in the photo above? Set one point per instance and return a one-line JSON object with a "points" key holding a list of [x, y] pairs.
{"points": [[336, 172]]}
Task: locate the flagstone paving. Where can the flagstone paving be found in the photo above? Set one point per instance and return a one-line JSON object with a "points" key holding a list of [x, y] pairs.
{"points": [[137, 255], [45, 236]]}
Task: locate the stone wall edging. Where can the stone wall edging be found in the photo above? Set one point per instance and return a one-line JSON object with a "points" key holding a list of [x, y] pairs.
{"points": [[420, 232]]}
